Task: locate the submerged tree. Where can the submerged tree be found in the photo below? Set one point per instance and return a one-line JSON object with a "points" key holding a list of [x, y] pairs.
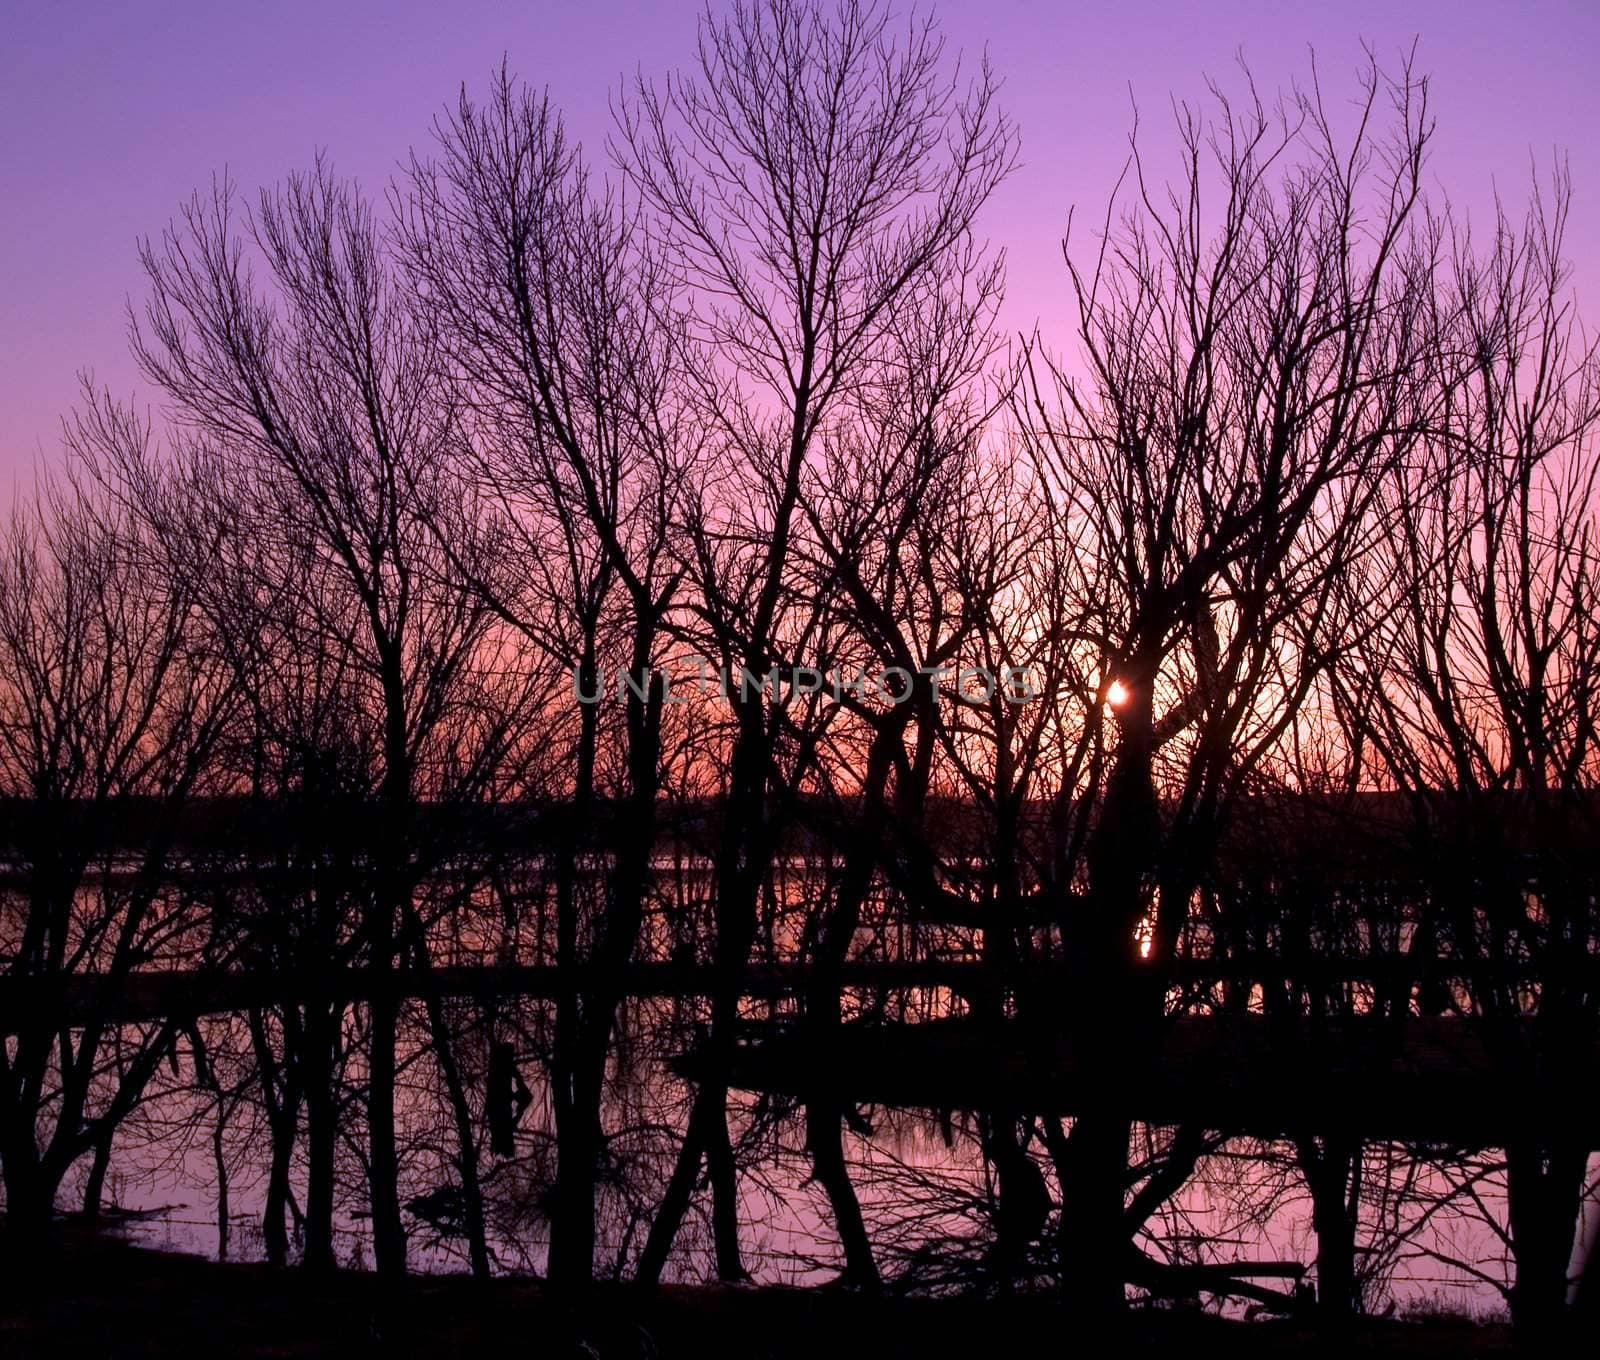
{"points": [[815, 183], [110, 716], [321, 402], [1256, 356], [1477, 698], [565, 346]]}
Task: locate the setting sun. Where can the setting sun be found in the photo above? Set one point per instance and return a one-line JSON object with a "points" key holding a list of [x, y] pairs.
{"points": [[1117, 694]]}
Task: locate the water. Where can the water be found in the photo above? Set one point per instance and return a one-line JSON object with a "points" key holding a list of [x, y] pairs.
{"points": [[1433, 1230], [925, 1200]]}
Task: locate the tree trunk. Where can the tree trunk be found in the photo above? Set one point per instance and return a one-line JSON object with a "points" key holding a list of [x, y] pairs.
{"points": [[466, 1143], [322, 1132], [1092, 1236], [706, 1137], [30, 1211], [1109, 1019], [94, 1188], [724, 1192], [572, 1231], [580, 1133], [1330, 1166], [675, 1200], [274, 1212], [220, 1161], [1544, 1183], [825, 1142], [383, 1171], [742, 860], [391, 910], [824, 1137]]}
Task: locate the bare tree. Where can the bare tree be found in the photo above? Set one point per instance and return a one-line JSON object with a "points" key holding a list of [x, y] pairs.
{"points": [[1478, 694], [321, 402], [109, 717], [811, 181], [565, 345], [1243, 386]]}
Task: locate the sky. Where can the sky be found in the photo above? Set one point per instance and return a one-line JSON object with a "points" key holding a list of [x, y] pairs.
{"points": [[112, 113]]}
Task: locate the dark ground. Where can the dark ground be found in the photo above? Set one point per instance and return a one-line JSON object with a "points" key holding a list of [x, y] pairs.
{"points": [[104, 1297]]}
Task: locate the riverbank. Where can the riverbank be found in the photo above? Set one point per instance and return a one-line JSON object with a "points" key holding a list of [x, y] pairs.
{"points": [[106, 1297]]}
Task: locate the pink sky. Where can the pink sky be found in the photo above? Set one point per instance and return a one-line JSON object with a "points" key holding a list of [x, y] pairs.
{"points": [[111, 117]]}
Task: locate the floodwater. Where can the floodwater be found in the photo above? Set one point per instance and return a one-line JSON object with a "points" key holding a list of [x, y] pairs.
{"points": [[1431, 1231], [189, 1167]]}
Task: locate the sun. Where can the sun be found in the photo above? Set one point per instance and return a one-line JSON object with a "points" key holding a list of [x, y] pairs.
{"points": [[1117, 693]]}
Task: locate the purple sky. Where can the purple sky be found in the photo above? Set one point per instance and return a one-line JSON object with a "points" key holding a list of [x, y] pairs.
{"points": [[109, 118]]}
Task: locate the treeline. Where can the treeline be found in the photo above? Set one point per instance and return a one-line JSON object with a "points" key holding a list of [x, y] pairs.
{"points": [[1305, 506]]}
